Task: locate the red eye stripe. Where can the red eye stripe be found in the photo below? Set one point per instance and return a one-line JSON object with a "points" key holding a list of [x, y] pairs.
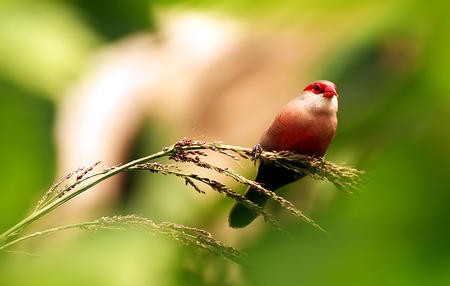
{"points": [[320, 87], [313, 87]]}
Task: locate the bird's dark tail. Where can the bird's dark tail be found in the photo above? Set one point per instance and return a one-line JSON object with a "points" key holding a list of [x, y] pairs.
{"points": [[271, 178], [240, 215]]}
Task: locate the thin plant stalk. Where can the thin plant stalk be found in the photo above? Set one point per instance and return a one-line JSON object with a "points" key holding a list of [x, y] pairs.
{"points": [[188, 150], [53, 205]]}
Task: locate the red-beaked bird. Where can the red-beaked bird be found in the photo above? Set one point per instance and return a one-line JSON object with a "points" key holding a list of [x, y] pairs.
{"points": [[306, 125]]}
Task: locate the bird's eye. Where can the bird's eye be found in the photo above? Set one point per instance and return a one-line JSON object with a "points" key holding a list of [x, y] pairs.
{"points": [[316, 88]]}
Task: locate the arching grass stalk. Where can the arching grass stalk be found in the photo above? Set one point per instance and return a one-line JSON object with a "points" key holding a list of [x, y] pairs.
{"points": [[190, 151], [187, 235]]}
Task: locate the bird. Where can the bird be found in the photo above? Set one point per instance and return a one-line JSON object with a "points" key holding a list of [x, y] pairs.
{"points": [[305, 125]]}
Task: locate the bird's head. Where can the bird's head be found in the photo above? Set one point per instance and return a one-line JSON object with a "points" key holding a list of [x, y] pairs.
{"points": [[320, 95], [323, 88]]}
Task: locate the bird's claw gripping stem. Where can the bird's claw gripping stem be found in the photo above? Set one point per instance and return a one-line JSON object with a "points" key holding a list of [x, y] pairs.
{"points": [[321, 158], [256, 152]]}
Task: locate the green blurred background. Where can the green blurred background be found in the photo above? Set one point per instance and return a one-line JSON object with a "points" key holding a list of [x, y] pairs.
{"points": [[392, 69]]}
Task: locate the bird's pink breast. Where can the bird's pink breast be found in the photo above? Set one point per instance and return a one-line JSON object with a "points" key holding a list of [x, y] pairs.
{"points": [[302, 132]]}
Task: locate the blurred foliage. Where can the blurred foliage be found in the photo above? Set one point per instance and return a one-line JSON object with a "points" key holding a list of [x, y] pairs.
{"points": [[46, 58], [26, 150], [391, 67], [116, 20]]}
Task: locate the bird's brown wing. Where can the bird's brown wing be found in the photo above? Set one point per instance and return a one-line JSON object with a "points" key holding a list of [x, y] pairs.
{"points": [[279, 127]]}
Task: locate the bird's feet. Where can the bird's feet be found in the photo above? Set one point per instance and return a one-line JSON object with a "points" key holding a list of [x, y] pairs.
{"points": [[256, 152], [321, 158]]}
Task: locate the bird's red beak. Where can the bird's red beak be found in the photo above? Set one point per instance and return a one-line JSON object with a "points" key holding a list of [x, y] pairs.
{"points": [[330, 92]]}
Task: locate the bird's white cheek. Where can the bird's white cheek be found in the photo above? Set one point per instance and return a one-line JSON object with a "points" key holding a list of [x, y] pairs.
{"points": [[315, 102], [328, 104], [334, 103]]}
